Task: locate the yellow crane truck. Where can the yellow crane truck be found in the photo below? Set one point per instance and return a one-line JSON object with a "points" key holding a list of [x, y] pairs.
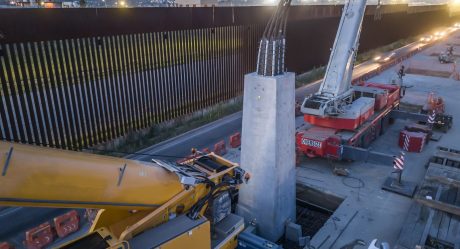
{"points": [[156, 204]]}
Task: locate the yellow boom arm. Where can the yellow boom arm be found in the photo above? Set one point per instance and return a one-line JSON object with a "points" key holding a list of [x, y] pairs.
{"points": [[37, 176], [132, 196]]}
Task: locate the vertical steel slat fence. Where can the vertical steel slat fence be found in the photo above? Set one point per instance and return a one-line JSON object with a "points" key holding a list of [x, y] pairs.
{"points": [[79, 92], [74, 89]]}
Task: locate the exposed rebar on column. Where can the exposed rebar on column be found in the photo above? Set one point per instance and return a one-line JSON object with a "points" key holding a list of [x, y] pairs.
{"points": [[272, 46]]}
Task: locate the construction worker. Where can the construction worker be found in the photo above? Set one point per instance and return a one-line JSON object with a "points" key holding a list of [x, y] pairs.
{"points": [[450, 50], [401, 72]]}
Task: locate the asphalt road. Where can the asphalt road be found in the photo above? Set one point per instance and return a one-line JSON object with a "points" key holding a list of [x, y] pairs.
{"points": [[207, 135]]}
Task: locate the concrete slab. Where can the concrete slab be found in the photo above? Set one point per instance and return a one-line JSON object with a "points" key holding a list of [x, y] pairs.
{"points": [[384, 211], [428, 63], [436, 137]]}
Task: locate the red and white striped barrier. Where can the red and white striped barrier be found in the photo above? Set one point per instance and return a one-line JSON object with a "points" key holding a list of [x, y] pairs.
{"points": [[406, 143], [431, 118], [398, 163]]}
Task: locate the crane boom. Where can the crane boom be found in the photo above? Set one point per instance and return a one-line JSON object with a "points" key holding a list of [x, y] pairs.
{"points": [[133, 196], [340, 68], [37, 176], [335, 90]]}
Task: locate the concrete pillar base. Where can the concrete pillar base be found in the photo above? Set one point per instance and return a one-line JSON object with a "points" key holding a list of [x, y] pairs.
{"points": [[268, 153]]}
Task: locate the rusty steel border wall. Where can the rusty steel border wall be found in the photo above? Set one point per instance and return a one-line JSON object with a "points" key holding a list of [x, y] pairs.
{"points": [[74, 78]]}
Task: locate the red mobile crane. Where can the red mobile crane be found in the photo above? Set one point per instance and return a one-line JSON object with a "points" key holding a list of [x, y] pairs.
{"points": [[346, 118]]}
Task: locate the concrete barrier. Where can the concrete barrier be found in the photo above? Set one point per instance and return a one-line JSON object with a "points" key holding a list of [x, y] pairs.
{"points": [[67, 223], [220, 149], [235, 140], [5, 245], [39, 237]]}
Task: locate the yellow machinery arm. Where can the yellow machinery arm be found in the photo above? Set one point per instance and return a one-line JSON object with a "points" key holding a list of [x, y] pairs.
{"points": [[132, 196], [36, 176]]}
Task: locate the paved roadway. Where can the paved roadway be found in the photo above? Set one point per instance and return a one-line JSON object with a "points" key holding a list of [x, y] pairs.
{"points": [[207, 135]]}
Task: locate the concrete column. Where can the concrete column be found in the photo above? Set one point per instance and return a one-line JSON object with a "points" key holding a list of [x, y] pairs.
{"points": [[268, 153]]}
